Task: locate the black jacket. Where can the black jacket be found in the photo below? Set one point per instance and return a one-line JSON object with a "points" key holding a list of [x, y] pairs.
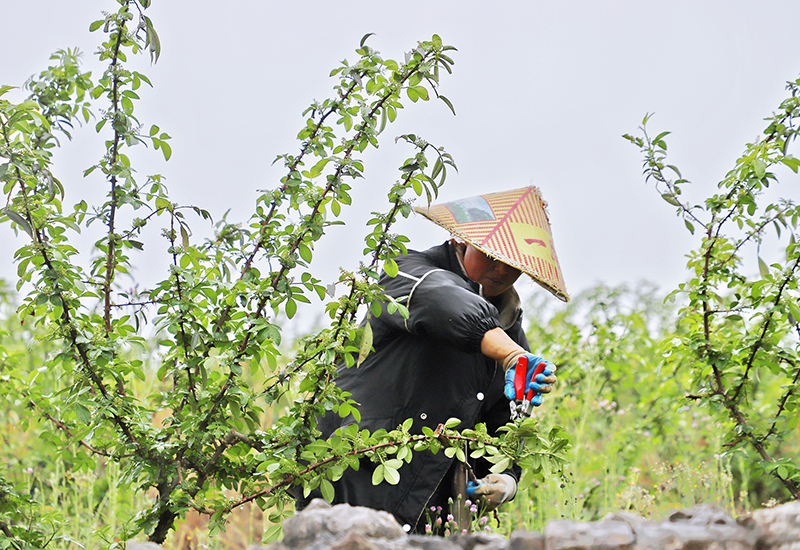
{"points": [[429, 368]]}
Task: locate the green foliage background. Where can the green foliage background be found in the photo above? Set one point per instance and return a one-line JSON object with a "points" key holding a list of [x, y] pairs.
{"points": [[124, 410]]}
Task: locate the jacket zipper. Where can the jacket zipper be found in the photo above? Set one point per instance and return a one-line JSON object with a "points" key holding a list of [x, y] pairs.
{"points": [[425, 506]]}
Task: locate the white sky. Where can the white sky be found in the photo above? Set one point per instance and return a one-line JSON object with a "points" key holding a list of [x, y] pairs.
{"points": [[543, 92]]}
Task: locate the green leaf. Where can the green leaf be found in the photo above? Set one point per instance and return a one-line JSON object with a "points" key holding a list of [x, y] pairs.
{"points": [[794, 309], [364, 39], [96, 25], [166, 149], [317, 169], [83, 414], [477, 453], [501, 466], [305, 252], [19, 220], [273, 533], [447, 102], [452, 423], [791, 162], [759, 168], [291, 308], [326, 487], [365, 346], [384, 117], [395, 463], [763, 268], [670, 198], [659, 140], [152, 41], [163, 204], [377, 474], [391, 475], [404, 453], [437, 168], [390, 267]]}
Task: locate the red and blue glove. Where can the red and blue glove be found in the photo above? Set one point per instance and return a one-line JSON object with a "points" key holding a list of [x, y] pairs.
{"points": [[539, 377]]}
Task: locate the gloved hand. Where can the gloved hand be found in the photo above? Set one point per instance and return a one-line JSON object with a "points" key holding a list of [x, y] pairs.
{"points": [[543, 383], [494, 489]]}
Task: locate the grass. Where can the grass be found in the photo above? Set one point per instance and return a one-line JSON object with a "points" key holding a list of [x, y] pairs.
{"points": [[637, 443]]}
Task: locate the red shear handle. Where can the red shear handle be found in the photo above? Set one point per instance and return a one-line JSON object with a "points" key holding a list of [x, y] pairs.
{"points": [[519, 378], [539, 370]]}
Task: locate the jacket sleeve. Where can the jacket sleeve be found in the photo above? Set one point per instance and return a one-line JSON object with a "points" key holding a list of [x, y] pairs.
{"points": [[441, 305]]}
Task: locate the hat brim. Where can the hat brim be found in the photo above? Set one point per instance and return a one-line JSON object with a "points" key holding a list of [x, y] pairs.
{"points": [[506, 219]]}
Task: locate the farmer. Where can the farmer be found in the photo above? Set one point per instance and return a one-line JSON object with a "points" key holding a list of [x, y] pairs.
{"points": [[453, 356]]}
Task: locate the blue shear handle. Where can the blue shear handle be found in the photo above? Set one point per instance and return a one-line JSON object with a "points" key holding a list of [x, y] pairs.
{"points": [[471, 486]]}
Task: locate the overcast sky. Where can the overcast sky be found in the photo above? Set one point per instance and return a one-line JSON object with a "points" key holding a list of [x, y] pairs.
{"points": [[543, 92]]}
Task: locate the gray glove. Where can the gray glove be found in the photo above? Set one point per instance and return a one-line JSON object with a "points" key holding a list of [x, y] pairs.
{"points": [[494, 489]]}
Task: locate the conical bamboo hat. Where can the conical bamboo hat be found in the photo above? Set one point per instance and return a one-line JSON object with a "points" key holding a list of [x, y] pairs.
{"points": [[510, 226]]}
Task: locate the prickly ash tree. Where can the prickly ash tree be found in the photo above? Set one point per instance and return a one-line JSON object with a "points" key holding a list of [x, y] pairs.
{"points": [[740, 334], [215, 313]]}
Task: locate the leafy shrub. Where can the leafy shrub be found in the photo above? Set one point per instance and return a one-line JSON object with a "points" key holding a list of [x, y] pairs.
{"points": [[194, 434]]}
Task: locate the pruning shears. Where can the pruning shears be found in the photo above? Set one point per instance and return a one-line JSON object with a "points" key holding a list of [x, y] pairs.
{"points": [[521, 406]]}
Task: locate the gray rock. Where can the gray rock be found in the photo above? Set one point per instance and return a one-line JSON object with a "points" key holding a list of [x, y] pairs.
{"points": [[355, 540], [599, 535], [704, 527], [318, 504], [699, 528], [322, 525], [674, 536], [702, 514], [480, 541], [526, 540], [142, 546], [628, 517], [425, 542], [776, 528]]}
